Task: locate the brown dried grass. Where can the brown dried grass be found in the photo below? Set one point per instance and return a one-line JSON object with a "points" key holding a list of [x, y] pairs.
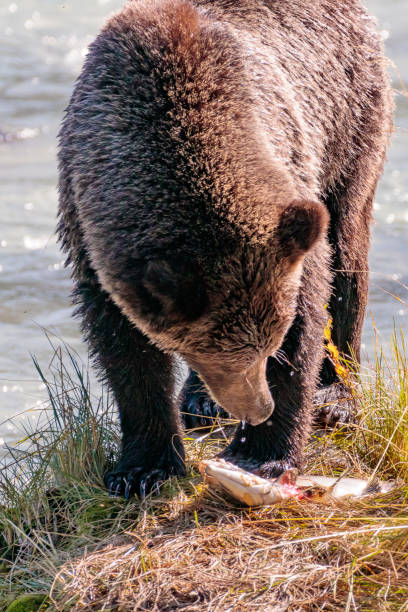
{"points": [[194, 551]]}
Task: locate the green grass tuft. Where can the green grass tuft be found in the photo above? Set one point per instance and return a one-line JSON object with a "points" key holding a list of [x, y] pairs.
{"points": [[29, 603], [382, 396]]}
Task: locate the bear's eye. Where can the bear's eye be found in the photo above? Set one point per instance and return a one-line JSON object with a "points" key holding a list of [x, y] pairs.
{"points": [[174, 290]]}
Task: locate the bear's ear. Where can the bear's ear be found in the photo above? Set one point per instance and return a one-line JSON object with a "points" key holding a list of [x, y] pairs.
{"points": [[300, 225], [174, 290]]}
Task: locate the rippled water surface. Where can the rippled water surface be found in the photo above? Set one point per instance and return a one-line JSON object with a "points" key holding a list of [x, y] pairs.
{"points": [[42, 45]]}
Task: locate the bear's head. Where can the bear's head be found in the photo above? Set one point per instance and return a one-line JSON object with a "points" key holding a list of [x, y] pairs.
{"points": [[226, 314]]}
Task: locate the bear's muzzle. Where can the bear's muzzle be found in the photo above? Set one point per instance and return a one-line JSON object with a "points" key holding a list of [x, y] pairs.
{"points": [[245, 395]]}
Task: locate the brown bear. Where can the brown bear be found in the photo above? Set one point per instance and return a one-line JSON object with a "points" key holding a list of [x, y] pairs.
{"points": [[218, 161]]}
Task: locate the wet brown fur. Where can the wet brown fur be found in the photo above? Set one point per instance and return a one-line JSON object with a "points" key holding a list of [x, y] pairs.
{"points": [[204, 148]]}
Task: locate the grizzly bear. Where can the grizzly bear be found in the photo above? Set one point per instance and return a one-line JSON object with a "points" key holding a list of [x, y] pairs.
{"points": [[218, 162]]}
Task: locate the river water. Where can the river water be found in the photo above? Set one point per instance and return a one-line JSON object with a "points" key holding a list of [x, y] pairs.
{"points": [[42, 46]]}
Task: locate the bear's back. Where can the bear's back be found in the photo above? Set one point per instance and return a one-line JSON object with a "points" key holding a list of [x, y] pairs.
{"points": [[184, 108], [317, 74]]}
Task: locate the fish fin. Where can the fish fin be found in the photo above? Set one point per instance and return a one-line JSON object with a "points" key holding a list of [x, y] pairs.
{"points": [[373, 486]]}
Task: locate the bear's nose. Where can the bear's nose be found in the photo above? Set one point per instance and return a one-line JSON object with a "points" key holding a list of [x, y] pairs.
{"points": [[261, 414]]}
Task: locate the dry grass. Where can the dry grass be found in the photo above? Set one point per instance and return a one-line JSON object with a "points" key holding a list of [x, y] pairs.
{"points": [[207, 557], [187, 548]]}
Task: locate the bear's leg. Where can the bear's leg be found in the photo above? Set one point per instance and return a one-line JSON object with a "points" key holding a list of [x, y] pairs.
{"points": [[141, 378], [276, 445], [349, 237], [196, 407]]}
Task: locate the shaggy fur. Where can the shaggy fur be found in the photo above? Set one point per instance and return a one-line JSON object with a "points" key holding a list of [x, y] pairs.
{"points": [[203, 151]]}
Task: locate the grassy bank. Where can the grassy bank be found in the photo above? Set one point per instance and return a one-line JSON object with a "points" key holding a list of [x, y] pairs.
{"points": [[64, 540]]}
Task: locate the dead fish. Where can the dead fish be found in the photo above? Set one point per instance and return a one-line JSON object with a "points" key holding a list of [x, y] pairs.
{"points": [[253, 490], [342, 486], [245, 486]]}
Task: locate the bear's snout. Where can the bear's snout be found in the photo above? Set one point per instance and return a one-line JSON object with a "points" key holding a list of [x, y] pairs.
{"points": [[245, 395], [254, 406], [261, 414]]}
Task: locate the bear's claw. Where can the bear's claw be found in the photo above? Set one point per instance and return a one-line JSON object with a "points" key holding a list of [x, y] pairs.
{"points": [[122, 483], [144, 466], [330, 416], [135, 481], [198, 410], [274, 468], [335, 406], [196, 407], [266, 469]]}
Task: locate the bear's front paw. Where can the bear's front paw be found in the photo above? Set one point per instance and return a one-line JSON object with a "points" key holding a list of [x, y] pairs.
{"points": [[274, 468], [136, 481], [197, 409], [335, 406], [142, 469], [266, 469], [254, 449]]}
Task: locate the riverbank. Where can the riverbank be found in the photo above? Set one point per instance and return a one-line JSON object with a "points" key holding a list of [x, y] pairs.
{"points": [[66, 541]]}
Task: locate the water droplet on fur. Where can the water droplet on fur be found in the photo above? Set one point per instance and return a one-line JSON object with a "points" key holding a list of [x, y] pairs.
{"points": [[292, 373]]}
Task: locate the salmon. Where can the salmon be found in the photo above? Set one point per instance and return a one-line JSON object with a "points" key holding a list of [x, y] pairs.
{"points": [[253, 490]]}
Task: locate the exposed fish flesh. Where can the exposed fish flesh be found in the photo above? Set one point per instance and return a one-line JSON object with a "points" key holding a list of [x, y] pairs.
{"points": [[253, 490]]}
